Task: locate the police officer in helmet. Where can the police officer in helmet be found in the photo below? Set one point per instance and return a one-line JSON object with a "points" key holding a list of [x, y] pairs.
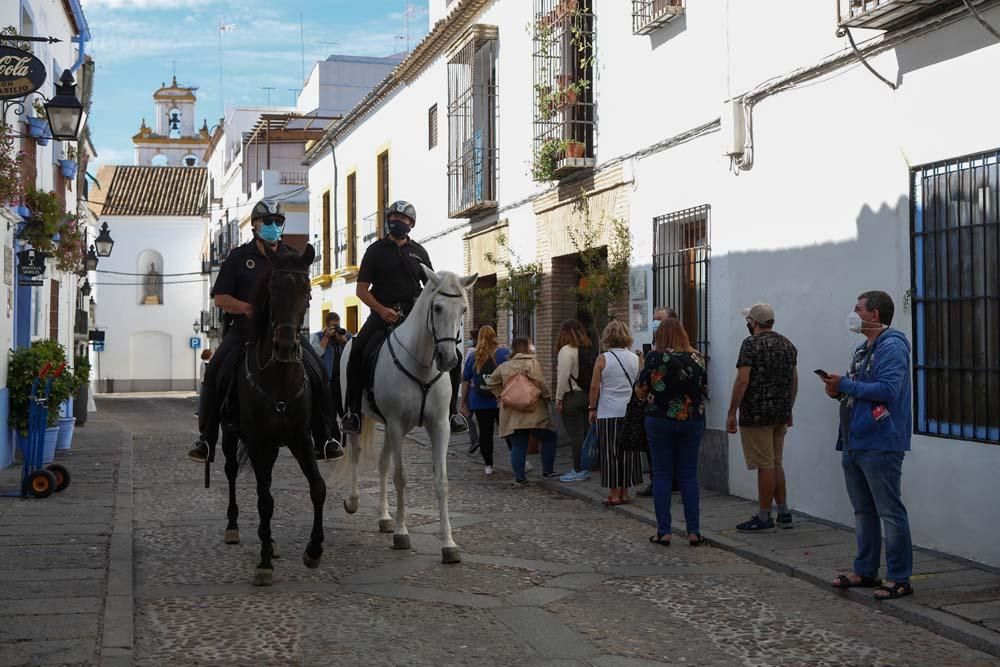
{"points": [[232, 292], [389, 282]]}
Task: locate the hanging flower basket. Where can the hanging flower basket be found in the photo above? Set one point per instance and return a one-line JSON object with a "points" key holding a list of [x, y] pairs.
{"points": [[37, 127], [68, 168]]}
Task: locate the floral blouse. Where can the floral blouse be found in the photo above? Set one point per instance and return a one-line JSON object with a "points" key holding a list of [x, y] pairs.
{"points": [[677, 384]]}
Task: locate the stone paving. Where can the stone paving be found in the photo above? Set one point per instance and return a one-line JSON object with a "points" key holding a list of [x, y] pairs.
{"points": [[546, 579]]}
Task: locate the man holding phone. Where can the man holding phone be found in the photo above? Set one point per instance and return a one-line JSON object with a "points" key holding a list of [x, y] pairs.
{"points": [[329, 345], [875, 427], [764, 394]]}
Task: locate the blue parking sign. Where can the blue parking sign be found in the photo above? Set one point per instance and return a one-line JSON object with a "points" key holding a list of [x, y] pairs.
{"points": [[194, 342], [98, 346]]}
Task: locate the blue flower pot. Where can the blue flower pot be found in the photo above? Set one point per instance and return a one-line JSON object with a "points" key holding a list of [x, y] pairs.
{"points": [[49, 450], [23, 211], [64, 440], [37, 127], [68, 168]]}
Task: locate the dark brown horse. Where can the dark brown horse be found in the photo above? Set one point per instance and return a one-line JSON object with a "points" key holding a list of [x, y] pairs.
{"points": [[275, 404]]}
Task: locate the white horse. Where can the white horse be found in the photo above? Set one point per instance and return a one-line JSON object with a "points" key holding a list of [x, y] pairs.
{"points": [[412, 389]]}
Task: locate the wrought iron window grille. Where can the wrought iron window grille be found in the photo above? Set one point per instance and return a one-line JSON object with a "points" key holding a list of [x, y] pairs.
{"points": [[681, 257], [649, 15]]}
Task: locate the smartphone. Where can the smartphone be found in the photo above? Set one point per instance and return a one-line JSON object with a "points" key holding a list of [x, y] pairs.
{"points": [[647, 348], [823, 374]]}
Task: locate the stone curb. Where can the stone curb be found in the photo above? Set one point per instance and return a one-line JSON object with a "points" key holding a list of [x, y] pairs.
{"points": [[905, 609], [118, 639]]}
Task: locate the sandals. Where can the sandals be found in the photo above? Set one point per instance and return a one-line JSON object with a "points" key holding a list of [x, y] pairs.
{"points": [[698, 541], [843, 581], [893, 592], [611, 502], [658, 539]]}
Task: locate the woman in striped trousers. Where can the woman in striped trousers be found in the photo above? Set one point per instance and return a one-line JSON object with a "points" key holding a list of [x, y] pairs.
{"points": [[610, 391]]}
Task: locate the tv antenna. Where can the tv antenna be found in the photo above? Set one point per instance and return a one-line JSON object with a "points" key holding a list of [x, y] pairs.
{"points": [[268, 89]]}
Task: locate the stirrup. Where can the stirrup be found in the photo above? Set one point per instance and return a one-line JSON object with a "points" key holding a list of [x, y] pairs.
{"points": [[333, 450], [351, 423], [458, 424]]}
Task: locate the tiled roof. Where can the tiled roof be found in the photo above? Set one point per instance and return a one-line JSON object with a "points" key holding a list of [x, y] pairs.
{"points": [[159, 191]]}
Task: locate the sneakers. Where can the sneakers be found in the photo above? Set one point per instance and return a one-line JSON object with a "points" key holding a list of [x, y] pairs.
{"points": [[520, 483], [459, 424], [333, 450], [550, 475], [473, 448], [528, 467], [785, 521], [198, 452], [351, 423], [755, 525], [575, 476], [646, 491], [488, 470]]}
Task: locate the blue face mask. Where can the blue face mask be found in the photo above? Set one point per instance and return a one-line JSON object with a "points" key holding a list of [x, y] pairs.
{"points": [[270, 233], [655, 325]]}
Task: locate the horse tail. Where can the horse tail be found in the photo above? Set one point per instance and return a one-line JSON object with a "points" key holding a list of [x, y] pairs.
{"points": [[360, 454]]}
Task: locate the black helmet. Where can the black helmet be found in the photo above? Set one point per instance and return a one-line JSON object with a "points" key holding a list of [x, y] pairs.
{"points": [[404, 207], [266, 208]]}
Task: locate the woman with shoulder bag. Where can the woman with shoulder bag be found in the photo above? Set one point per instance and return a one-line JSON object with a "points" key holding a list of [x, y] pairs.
{"points": [[610, 393], [524, 408], [574, 370], [488, 355], [675, 385]]}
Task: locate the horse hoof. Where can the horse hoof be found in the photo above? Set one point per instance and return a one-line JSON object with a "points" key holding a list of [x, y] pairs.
{"points": [[311, 563], [263, 577], [450, 555], [386, 526], [351, 504], [274, 550], [400, 541], [232, 536]]}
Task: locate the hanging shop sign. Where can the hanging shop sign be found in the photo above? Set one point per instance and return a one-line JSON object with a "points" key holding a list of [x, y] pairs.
{"points": [[31, 263], [21, 73]]}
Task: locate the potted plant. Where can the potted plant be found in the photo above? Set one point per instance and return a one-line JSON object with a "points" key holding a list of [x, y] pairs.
{"points": [[46, 218], [575, 149], [81, 369], [11, 162], [68, 165], [68, 250], [24, 365], [38, 126], [546, 158]]}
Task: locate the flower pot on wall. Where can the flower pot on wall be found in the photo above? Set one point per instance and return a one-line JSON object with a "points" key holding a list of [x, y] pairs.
{"points": [[37, 127], [575, 149], [68, 168]]}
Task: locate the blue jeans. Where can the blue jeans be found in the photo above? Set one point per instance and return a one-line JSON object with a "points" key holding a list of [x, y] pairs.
{"points": [[873, 484], [673, 446], [519, 449]]}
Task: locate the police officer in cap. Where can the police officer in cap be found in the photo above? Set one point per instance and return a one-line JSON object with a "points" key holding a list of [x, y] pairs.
{"points": [[232, 292], [389, 282]]}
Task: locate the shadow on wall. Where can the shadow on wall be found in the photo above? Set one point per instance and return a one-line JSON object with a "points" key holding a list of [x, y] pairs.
{"points": [[953, 41], [812, 290]]}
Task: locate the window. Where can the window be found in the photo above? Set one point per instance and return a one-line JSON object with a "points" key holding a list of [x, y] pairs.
{"points": [[382, 176], [327, 235], [648, 15], [522, 314], [956, 297], [472, 110], [351, 231], [432, 127], [681, 254], [351, 323]]}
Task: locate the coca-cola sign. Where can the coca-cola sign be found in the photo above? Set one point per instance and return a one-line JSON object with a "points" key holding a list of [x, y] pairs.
{"points": [[20, 73]]}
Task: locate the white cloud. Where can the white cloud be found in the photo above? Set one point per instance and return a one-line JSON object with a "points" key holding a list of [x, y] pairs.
{"points": [[109, 155], [143, 4]]}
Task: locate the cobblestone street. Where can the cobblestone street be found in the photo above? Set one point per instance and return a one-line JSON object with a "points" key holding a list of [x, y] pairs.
{"points": [[545, 579]]}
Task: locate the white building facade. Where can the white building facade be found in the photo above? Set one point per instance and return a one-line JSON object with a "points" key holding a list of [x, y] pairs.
{"points": [[846, 184]]}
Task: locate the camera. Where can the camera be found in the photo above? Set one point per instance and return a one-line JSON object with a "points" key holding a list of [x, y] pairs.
{"points": [[338, 331]]}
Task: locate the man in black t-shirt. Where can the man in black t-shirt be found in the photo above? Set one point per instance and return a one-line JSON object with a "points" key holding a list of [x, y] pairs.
{"points": [[232, 292], [389, 282], [764, 394]]}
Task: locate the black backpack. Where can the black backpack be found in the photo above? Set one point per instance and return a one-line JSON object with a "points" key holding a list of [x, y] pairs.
{"points": [[585, 362], [479, 380]]}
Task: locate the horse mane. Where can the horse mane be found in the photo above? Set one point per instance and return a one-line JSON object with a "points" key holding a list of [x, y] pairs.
{"points": [[261, 302]]}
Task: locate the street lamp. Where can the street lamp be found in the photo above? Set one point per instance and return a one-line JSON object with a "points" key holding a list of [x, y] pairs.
{"points": [[90, 259], [86, 289], [196, 327], [64, 111], [104, 242]]}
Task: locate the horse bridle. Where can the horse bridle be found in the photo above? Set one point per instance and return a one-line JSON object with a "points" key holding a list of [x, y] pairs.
{"points": [[425, 386], [276, 327]]}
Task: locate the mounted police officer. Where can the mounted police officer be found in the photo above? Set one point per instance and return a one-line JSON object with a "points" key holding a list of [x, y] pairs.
{"points": [[389, 282], [232, 292]]}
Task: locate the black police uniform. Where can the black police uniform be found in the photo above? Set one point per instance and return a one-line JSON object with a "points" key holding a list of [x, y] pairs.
{"points": [[238, 278], [393, 271]]}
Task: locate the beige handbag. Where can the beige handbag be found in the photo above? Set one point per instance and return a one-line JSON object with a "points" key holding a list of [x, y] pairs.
{"points": [[520, 393]]}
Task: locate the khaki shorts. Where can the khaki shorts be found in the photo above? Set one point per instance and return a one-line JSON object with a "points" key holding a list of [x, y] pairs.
{"points": [[763, 445]]}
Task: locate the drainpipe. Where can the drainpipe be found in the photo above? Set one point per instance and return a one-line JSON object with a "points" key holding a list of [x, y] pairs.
{"points": [[79, 40]]}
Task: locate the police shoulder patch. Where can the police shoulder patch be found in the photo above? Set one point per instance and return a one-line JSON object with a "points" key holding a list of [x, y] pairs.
{"points": [[251, 264]]}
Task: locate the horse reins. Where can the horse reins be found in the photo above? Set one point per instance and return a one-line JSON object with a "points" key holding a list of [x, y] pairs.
{"points": [[425, 386]]}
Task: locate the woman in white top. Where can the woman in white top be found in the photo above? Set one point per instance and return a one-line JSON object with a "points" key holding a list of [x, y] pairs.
{"points": [[610, 392], [572, 387]]}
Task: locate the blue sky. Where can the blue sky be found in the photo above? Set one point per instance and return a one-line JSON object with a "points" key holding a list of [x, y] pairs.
{"points": [[136, 43]]}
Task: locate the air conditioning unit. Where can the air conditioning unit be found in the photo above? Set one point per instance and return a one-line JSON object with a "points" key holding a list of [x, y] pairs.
{"points": [[734, 135]]}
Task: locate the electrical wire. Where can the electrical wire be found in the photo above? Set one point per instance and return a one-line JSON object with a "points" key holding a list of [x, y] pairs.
{"points": [[165, 275], [171, 282]]}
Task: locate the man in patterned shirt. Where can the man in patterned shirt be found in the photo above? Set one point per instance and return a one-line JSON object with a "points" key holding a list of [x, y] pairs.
{"points": [[764, 393]]}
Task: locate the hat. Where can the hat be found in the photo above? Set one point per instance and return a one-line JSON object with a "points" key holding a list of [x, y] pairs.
{"points": [[762, 313], [266, 208]]}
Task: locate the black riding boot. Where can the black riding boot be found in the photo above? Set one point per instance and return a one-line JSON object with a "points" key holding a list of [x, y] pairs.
{"points": [[456, 420], [203, 448], [324, 416]]}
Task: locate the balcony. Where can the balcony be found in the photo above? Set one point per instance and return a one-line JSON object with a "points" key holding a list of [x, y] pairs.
{"points": [[206, 266], [649, 15], [341, 255], [294, 178], [81, 325], [369, 227], [472, 180], [888, 14]]}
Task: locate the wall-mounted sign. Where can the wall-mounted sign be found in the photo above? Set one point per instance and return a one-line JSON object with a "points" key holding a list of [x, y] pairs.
{"points": [[30, 282], [194, 342], [20, 73], [31, 263], [96, 336], [98, 345], [8, 265]]}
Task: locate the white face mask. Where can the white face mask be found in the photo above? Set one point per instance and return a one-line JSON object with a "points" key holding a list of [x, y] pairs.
{"points": [[856, 325]]}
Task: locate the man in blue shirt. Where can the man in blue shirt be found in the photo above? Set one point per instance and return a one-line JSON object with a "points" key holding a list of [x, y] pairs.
{"points": [[875, 428], [329, 345]]}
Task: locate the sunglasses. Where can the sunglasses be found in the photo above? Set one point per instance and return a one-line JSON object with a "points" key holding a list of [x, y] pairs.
{"points": [[272, 220]]}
